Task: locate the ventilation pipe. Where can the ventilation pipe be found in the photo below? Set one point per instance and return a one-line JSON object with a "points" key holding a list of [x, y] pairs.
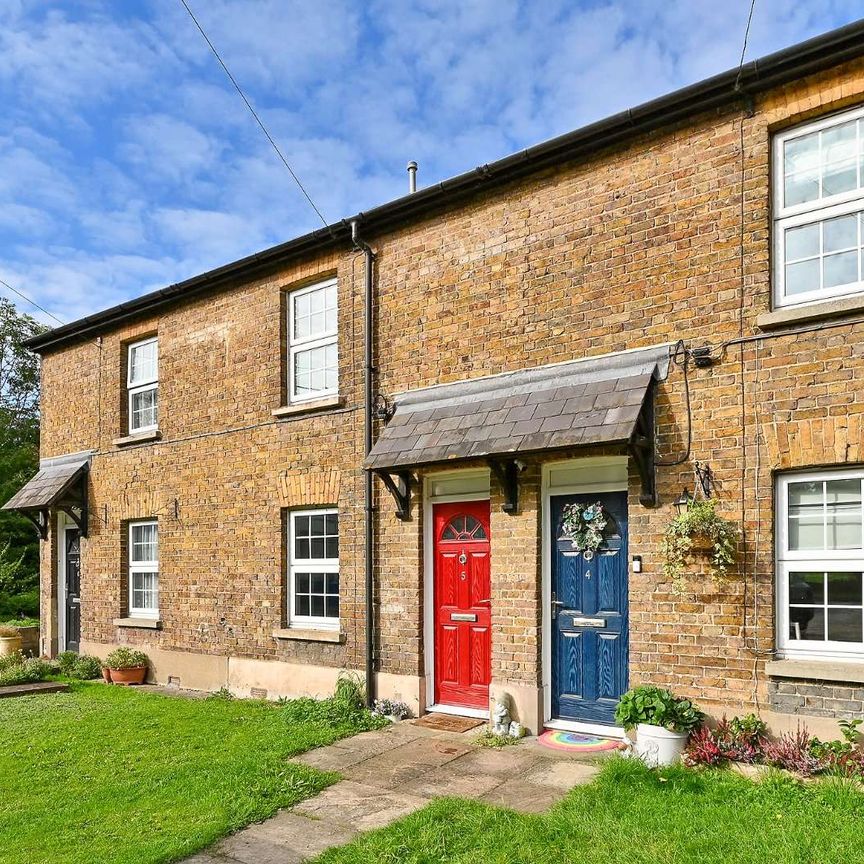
{"points": [[412, 176], [369, 513]]}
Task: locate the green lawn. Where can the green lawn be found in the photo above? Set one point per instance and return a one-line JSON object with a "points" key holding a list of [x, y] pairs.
{"points": [[110, 774], [631, 815]]}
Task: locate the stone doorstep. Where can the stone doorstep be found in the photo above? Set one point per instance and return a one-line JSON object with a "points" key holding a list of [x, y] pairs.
{"points": [[30, 689]]}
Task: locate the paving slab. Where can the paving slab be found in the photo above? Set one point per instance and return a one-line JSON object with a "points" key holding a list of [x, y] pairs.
{"points": [[562, 774], [331, 758], [359, 806], [287, 838], [525, 797], [451, 781], [505, 762]]}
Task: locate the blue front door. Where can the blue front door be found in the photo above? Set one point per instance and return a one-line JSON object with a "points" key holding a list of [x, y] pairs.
{"points": [[589, 616]]}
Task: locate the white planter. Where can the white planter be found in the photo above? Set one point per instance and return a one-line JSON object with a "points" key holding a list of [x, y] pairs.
{"points": [[657, 746]]}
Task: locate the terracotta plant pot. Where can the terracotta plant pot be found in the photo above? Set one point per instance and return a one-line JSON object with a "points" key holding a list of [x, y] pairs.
{"points": [[135, 675], [10, 644], [106, 674]]}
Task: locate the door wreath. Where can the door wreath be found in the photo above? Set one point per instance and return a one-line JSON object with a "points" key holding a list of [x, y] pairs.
{"points": [[583, 526]]}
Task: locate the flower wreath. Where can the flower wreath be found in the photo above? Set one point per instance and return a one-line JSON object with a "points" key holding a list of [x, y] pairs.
{"points": [[583, 525]]}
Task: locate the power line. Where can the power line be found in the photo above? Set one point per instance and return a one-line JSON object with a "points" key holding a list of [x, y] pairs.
{"points": [[32, 302], [744, 46], [237, 87]]}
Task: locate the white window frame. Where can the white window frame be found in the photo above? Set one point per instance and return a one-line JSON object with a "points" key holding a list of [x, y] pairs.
{"points": [[318, 340], [133, 388], [812, 211], [142, 567], [310, 565], [829, 560]]}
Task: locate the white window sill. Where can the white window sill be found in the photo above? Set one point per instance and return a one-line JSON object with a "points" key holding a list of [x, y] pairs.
{"points": [[137, 438], [817, 670], [309, 635], [287, 411], [143, 623], [790, 315]]}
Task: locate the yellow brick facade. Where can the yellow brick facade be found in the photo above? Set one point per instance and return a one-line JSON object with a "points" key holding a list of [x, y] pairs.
{"points": [[637, 245]]}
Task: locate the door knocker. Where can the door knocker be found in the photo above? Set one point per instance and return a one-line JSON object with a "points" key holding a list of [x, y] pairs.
{"points": [[589, 554], [463, 558]]}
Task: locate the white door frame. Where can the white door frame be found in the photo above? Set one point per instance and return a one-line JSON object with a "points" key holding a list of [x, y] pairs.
{"points": [[470, 484], [571, 477], [63, 522]]}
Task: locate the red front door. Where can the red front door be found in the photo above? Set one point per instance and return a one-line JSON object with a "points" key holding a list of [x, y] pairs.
{"points": [[463, 638]]}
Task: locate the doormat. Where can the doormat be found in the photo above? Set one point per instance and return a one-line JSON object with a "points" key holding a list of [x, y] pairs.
{"points": [[448, 723], [577, 742]]}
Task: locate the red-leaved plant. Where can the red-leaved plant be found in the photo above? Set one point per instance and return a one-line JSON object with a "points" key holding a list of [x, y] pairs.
{"points": [[793, 751]]}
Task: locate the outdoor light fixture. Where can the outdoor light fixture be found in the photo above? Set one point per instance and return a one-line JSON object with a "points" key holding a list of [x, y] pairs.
{"points": [[683, 502]]}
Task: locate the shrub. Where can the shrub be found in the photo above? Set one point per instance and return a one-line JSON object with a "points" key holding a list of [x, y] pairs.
{"points": [[657, 707], [23, 605], [793, 751], [85, 668], [488, 738], [740, 739], [345, 708], [21, 621], [126, 658], [65, 661], [17, 670]]}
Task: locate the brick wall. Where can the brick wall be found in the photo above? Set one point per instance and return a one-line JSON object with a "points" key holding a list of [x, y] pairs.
{"points": [[635, 246]]}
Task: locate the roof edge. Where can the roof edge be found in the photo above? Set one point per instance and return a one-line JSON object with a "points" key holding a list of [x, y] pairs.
{"points": [[805, 58]]}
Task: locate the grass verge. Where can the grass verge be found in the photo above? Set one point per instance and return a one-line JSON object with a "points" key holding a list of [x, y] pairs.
{"points": [[116, 776], [631, 815]]}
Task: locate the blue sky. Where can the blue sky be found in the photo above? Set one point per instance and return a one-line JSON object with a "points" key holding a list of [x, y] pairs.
{"points": [[127, 162]]}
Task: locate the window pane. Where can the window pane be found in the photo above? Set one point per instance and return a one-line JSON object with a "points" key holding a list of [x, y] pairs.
{"points": [[332, 607], [301, 548], [332, 583], [807, 588], [301, 582], [332, 526], [802, 277], [317, 547], [806, 516], [838, 142], [802, 242], [332, 547], [840, 269], [806, 624], [301, 526], [317, 606], [316, 524], [840, 233], [144, 409], [839, 178], [843, 502], [317, 583], [145, 543], [844, 589], [315, 370], [301, 604], [801, 153], [145, 591], [844, 625], [143, 363], [801, 187]]}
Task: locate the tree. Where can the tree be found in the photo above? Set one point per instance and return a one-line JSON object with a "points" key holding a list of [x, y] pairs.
{"points": [[19, 437]]}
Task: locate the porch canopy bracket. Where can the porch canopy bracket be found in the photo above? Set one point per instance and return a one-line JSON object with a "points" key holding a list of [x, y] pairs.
{"points": [[506, 472], [399, 485], [60, 484], [499, 419], [641, 448]]}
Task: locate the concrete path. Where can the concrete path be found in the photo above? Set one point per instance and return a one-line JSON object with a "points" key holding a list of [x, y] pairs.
{"points": [[393, 772]]}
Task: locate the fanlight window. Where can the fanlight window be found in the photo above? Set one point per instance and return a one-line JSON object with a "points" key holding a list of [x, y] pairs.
{"points": [[464, 528]]}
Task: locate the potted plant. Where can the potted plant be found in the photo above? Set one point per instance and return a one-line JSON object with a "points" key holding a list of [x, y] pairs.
{"points": [[126, 666], [10, 641], [662, 722], [700, 530]]}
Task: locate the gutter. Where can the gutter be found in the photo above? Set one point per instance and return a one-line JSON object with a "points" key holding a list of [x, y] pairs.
{"points": [[723, 90]]}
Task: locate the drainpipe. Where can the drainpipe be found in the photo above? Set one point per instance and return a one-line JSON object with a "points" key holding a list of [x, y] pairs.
{"points": [[369, 513]]}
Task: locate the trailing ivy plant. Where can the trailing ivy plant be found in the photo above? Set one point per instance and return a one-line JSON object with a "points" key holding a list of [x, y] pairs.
{"points": [[700, 519]]}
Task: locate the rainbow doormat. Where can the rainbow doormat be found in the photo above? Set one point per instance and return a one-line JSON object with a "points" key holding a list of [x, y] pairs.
{"points": [[577, 742]]}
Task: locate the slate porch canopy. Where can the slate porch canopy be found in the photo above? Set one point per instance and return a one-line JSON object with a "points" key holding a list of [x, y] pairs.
{"points": [[598, 400], [61, 484]]}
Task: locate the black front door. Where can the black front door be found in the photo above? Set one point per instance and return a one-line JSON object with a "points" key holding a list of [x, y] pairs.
{"points": [[72, 568]]}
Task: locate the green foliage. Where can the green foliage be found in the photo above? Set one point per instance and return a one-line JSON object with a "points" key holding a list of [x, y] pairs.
{"points": [[849, 730], [120, 776], [19, 439], [583, 525], [21, 622], [223, 694], [344, 710], [22, 605], [658, 707], [126, 658], [65, 661], [85, 668], [700, 519], [16, 669], [488, 738], [750, 726]]}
